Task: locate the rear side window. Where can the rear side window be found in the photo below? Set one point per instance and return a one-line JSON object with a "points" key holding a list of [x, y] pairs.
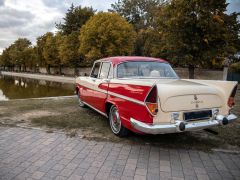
{"points": [[95, 70], [105, 70]]}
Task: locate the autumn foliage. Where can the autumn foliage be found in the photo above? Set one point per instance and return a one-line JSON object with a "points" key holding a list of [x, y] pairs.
{"points": [[187, 33]]}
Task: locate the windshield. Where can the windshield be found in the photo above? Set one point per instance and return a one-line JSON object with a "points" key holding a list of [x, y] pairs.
{"points": [[145, 69]]}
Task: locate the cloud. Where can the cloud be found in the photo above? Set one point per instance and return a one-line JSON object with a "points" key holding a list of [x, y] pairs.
{"points": [[1, 2], [30, 19], [12, 17]]}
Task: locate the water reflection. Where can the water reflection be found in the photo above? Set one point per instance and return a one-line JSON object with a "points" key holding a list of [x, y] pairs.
{"points": [[21, 88], [2, 96]]}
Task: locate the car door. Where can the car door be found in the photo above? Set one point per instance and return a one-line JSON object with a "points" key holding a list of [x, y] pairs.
{"points": [[101, 86], [88, 89]]}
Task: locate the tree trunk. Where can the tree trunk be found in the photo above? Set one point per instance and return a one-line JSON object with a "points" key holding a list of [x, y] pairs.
{"points": [[225, 73], [76, 71], [60, 69], [191, 71], [48, 69]]}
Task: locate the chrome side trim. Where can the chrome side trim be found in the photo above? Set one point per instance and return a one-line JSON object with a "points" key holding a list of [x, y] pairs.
{"points": [[100, 90], [104, 114], [173, 128], [126, 98]]}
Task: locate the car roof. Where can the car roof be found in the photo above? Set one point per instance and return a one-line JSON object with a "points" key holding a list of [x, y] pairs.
{"points": [[119, 59]]}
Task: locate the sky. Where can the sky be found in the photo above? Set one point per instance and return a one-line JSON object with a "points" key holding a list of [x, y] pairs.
{"points": [[32, 18]]}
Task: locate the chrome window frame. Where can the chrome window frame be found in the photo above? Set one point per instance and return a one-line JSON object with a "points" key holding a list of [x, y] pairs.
{"points": [[100, 68]]}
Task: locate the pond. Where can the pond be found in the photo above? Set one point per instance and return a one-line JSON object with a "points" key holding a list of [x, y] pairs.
{"points": [[22, 88]]}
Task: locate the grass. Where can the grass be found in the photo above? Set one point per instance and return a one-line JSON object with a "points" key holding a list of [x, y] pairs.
{"points": [[66, 115]]}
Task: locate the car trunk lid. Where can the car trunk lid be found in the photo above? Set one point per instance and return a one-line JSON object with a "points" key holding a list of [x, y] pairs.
{"points": [[183, 95]]}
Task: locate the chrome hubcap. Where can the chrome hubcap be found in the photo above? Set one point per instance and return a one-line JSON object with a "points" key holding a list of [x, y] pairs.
{"points": [[115, 121]]}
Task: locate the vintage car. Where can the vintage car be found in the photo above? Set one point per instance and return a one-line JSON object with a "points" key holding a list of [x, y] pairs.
{"points": [[145, 95]]}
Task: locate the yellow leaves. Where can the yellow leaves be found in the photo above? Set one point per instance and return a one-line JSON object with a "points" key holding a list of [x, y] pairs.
{"points": [[106, 34], [213, 61], [218, 19]]}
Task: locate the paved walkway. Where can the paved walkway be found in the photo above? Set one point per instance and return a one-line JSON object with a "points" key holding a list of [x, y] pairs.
{"points": [[35, 154], [62, 79]]}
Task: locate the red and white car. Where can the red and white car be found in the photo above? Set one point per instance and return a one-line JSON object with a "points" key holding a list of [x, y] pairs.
{"points": [[145, 95]]}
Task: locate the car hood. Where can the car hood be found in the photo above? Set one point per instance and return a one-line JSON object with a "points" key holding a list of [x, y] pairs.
{"points": [[184, 95]]}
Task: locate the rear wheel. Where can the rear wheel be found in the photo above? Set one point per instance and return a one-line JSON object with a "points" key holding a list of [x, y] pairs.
{"points": [[115, 123], [81, 104]]}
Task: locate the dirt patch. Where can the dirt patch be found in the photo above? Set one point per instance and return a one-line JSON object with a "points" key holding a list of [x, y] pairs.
{"points": [[37, 114], [2, 109], [14, 119]]}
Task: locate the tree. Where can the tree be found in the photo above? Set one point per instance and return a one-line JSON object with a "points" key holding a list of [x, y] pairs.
{"points": [[106, 34], [194, 32], [75, 18], [233, 33], [149, 43], [16, 52], [5, 59], [30, 57], [68, 50], [140, 13], [50, 52], [41, 42]]}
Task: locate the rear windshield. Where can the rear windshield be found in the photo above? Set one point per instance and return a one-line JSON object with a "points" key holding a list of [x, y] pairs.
{"points": [[145, 69]]}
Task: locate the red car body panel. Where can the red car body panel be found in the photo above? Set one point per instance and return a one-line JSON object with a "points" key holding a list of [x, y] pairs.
{"points": [[132, 91]]}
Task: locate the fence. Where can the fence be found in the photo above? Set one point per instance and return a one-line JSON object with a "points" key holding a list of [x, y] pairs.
{"points": [[233, 76]]}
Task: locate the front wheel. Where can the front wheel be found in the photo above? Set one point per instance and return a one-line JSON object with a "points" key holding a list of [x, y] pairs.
{"points": [[81, 104], [115, 123]]}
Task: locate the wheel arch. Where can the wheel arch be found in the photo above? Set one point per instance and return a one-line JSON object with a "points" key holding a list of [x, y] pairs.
{"points": [[108, 105]]}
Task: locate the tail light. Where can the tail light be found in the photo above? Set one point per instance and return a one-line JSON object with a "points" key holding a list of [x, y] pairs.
{"points": [[231, 101], [151, 101]]}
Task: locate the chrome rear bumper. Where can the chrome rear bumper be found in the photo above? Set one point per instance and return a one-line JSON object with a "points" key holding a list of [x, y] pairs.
{"points": [[181, 126]]}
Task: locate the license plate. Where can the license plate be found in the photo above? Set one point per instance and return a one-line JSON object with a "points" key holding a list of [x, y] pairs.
{"points": [[197, 115]]}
